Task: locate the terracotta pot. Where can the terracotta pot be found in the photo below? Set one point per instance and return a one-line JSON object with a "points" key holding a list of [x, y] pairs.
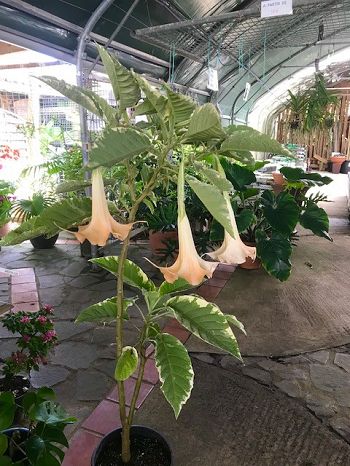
{"points": [[337, 162], [249, 264], [5, 229], [278, 178], [157, 239]]}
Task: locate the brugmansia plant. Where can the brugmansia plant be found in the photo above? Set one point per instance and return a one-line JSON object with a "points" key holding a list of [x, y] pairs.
{"points": [[175, 125]]}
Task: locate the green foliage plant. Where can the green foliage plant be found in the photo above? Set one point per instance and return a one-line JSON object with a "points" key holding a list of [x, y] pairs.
{"points": [[40, 440], [177, 135]]}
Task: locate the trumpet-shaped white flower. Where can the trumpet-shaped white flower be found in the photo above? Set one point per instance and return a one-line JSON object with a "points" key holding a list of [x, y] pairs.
{"points": [[102, 224], [188, 265], [233, 250]]}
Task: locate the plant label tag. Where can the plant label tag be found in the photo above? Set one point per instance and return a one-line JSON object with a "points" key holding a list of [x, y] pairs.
{"points": [[270, 8], [213, 81], [246, 92]]}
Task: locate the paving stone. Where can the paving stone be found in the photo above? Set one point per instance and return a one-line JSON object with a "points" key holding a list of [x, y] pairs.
{"points": [[7, 347], [67, 329], [108, 285], [301, 359], [48, 376], [107, 366], [205, 357], [291, 387], [74, 268], [270, 365], [342, 426], [4, 333], [74, 354], [329, 378], [84, 281], [76, 295], [342, 360], [103, 335], [229, 362], [49, 281], [343, 399], [91, 385], [257, 374], [319, 356], [53, 296], [288, 372]]}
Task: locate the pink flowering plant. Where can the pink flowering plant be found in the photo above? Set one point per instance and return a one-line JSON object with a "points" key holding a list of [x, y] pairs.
{"points": [[37, 338]]}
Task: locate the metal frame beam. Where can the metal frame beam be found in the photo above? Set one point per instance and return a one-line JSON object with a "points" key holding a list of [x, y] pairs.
{"points": [[57, 21]]}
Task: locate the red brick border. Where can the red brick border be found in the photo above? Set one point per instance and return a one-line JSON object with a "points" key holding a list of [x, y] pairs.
{"points": [[24, 293], [105, 416]]}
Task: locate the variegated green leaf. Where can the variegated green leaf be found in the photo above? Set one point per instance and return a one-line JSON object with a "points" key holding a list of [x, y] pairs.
{"points": [[144, 108], [205, 124], [158, 101], [125, 87], [179, 285], [206, 321], [104, 311], [244, 139], [214, 201], [116, 145], [181, 105], [133, 274], [126, 364], [175, 370], [84, 97], [234, 321], [214, 177]]}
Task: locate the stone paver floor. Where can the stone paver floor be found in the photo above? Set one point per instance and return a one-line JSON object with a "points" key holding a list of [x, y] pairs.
{"points": [[82, 365]]}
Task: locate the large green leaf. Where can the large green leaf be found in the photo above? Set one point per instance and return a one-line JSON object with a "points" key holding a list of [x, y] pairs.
{"points": [[311, 179], [315, 218], [158, 101], [275, 254], [51, 413], [175, 370], [205, 320], [221, 182], [133, 274], [87, 99], [232, 320], [214, 201], [239, 176], [116, 145], [72, 185], [61, 215], [126, 364], [144, 108], [6, 461], [104, 311], [244, 219], [179, 285], [125, 87], [3, 444], [244, 139], [7, 410], [282, 211], [205, 124], [181, 105]]}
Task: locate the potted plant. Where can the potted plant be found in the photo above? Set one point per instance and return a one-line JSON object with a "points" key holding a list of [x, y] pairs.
{"points": [[162, 224], [178, 136], [6, 199], [26, 209], [37, 338], [40, 438]]}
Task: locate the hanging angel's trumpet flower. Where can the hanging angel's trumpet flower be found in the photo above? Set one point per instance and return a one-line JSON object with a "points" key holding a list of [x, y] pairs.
{"points": [[188, 265], [102, 224], [233, 250]]}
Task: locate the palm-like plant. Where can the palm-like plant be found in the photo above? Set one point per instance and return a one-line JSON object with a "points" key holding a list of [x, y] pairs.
{"points": [[25, 209]]}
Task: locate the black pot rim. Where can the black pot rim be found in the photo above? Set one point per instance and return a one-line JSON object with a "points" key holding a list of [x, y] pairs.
{"points": [[133, 427]]}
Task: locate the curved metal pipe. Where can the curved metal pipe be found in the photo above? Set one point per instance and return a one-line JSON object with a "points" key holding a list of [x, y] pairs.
{"points": [[82, 40]]}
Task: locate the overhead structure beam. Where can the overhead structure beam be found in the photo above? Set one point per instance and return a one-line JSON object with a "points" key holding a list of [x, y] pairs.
{"points": [[60, 22]]}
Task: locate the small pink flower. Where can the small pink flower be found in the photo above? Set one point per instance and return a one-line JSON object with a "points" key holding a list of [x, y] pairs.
{"points": [[42, 319], [26, 338], [25, 320], [49, 335], [48, 308]]}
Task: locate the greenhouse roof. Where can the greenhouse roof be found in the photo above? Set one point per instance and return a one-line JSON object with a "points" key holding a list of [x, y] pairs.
{"points": [[230, 35]]}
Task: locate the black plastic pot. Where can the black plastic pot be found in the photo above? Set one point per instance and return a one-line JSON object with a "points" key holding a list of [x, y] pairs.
{"points": [[20, 434], [41, 242], [137, 433], [345, 167]]}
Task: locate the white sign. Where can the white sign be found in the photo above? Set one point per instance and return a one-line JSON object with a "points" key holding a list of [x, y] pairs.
{"points": [[213, 82], [271, 8], [246, 92]]}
